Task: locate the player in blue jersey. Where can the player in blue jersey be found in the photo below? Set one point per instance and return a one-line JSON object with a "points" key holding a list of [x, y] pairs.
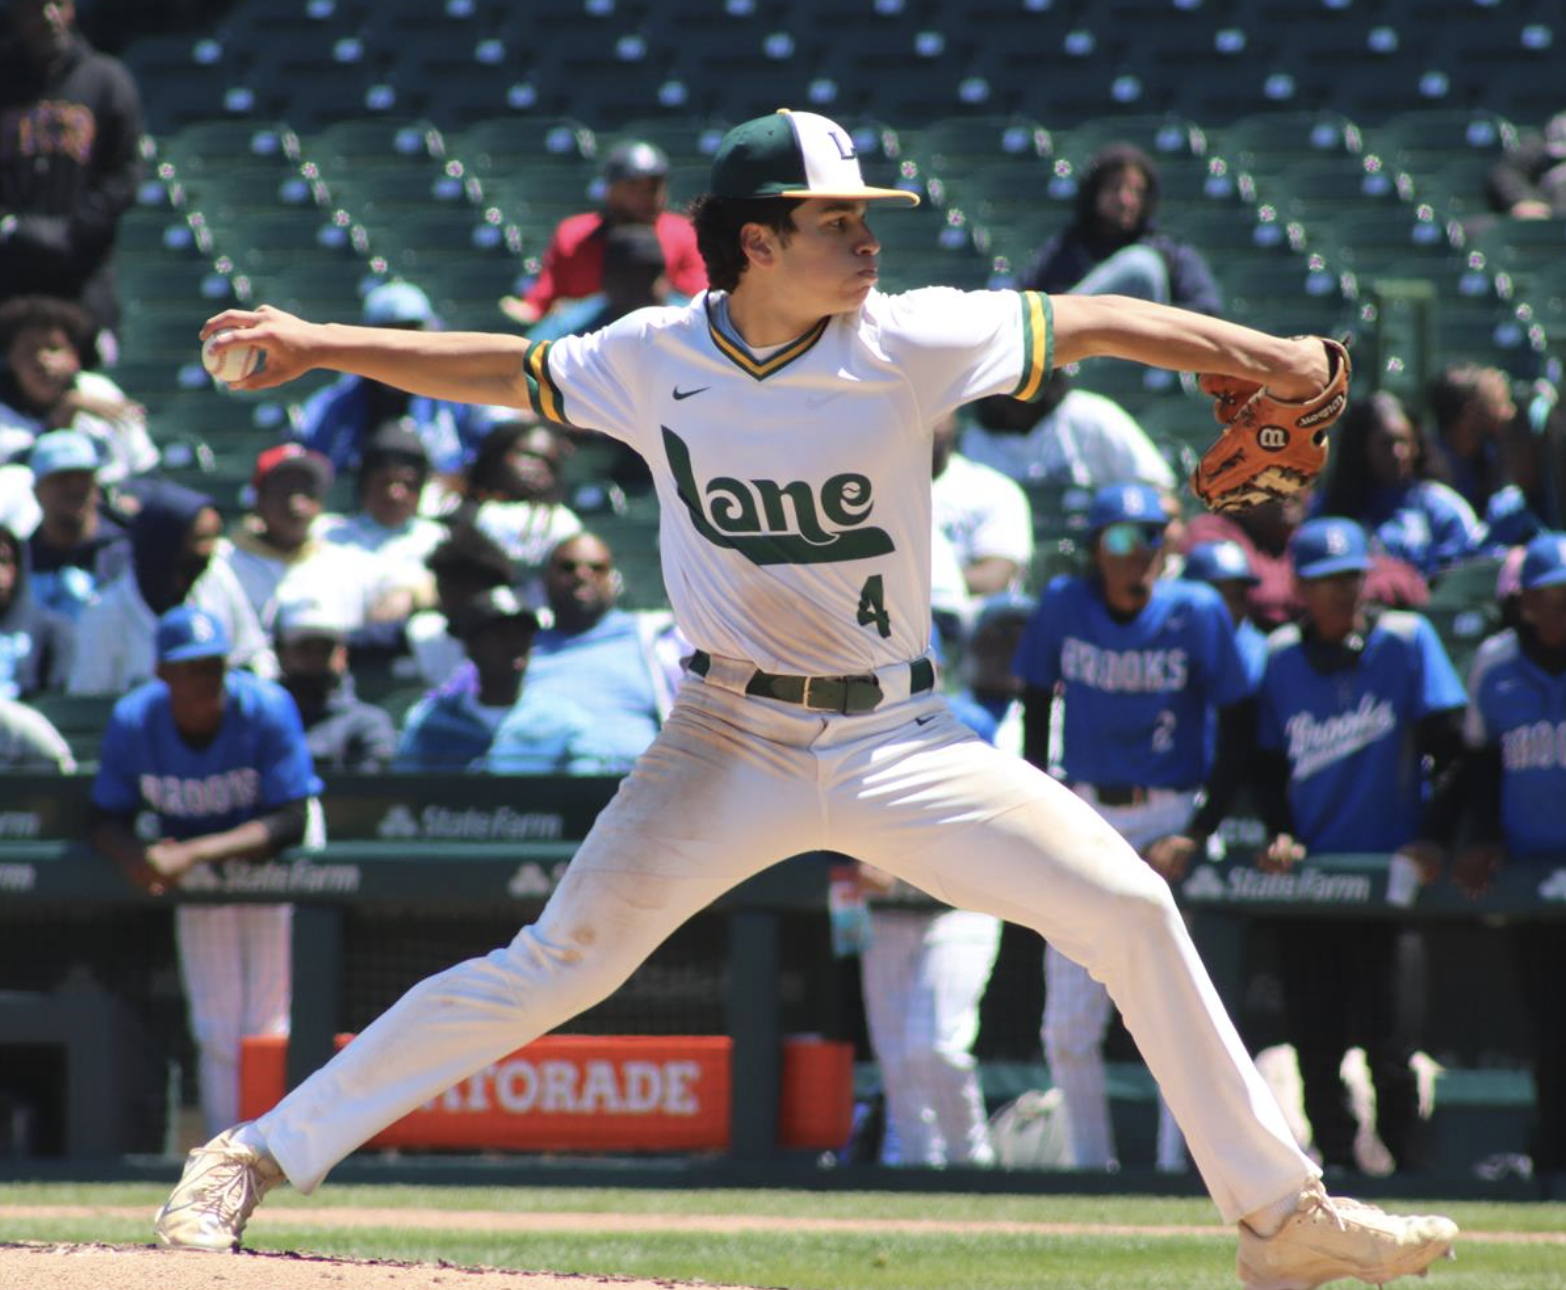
{"points": [[1513, 784], [219, 759], [1350, 704], [1141, 663], [1226, 568]]}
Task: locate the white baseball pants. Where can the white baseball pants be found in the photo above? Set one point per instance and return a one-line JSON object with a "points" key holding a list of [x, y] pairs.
{"points": [[733, 784], [1077, 1008], [234, 961], [923, 975]]}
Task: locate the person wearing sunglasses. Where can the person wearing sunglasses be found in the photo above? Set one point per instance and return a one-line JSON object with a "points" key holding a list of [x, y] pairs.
{"points": [[1138, 663]]}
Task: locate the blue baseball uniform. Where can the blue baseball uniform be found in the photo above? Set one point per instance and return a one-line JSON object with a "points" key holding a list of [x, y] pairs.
{"points": [[257, 762], [234, 959], [1343, 725], [1138, 693], [1139, 699], [1352, 784], [1519, 708]]}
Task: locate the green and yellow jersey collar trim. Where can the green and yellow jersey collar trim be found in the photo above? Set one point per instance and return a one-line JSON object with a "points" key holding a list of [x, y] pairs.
{"points": [[1038, 345], [760, 369]]}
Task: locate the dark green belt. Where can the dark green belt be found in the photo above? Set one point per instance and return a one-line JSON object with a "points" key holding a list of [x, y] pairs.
{"points": [[845, 694]]}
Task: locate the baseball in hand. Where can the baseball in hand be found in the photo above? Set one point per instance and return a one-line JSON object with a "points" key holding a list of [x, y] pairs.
{"points": [[232, 364]]}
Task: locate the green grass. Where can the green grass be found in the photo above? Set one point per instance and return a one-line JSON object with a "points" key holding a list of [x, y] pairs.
{"points": [[839, 1260]]}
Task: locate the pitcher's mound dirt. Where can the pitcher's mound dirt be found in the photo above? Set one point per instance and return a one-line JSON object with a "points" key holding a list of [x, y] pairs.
{"points": [[109, 1267]]}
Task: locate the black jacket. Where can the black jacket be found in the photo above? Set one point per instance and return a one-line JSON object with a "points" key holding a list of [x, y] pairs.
{"points": [[69, 167]]}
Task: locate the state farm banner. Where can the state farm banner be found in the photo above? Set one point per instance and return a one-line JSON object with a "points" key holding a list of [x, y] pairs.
{"points": [[560, 1093]]}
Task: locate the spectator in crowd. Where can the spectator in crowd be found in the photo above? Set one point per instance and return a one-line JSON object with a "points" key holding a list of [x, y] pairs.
{"points": [[1223, 566], [1352, 703], [1471, 407], [636, 190], [1263, 534], [1140, 663], [37, 645], [635, 275], [338, 421], [392, 473], [343, 732], [77, 546], [454, 728], [1113, 245], [43, 387], [275, 556], [218, 756], [1383, 478], [620, 667], [1529, 182], [513, 490], [1510, 790], [70, 135], [1531, 496], [985, 516], [174, 538], [28, 741], [465, 565], [1069, 436]]}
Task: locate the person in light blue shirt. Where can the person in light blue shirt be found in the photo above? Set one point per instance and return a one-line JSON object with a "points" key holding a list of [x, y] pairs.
{"points": [[486, 720], [620, 667], [1383, 478]]}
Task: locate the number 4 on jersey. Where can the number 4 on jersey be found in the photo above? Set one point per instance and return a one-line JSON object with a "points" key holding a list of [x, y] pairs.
{"points": [[872, 606]]}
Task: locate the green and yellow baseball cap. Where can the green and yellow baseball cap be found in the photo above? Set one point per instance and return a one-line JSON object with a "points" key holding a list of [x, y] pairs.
{"points": [[794, 154]]}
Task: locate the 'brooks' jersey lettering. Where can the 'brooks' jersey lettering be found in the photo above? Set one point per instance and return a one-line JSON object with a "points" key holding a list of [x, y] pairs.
{"points": [[1354, 777], [1515, 703], [1139, 695], [795, 489]]}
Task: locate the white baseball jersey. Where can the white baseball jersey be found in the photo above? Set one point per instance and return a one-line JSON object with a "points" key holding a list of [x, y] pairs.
{"points": [[814, 509]]}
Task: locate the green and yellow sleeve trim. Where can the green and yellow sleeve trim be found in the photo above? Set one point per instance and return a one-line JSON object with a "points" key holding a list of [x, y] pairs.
{"points": [[543, 394], [1038, 345]]}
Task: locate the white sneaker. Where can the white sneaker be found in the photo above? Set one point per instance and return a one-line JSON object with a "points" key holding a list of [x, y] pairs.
{"points": [[1329, 1239], [222, 1184]]}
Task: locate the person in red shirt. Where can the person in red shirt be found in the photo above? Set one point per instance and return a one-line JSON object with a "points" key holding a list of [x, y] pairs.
{"points": [[637, 191]]}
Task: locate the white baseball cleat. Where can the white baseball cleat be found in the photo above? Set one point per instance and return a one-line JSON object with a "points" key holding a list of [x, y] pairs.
{"points": [[1330, 1239], [222, 1184]]}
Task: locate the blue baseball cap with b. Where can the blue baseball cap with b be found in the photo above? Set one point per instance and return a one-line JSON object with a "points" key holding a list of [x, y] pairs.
{"points": [[186, 633], [1323, 547], [1218, 562], [1544, 561], [1127, 504], [62, 450]]}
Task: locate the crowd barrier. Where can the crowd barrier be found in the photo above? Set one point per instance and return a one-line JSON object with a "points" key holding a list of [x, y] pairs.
{"points": [[464, 843]]}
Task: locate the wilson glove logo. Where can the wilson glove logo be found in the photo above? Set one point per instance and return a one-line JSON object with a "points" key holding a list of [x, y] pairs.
{"points": [[1273, 438], [772, 523]]}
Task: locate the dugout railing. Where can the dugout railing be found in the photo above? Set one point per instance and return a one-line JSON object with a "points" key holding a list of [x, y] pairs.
{"points": [[469, 843]]}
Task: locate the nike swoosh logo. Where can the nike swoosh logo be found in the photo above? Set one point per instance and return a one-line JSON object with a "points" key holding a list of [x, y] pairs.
{"points": [[924, 721], [685, 394]]}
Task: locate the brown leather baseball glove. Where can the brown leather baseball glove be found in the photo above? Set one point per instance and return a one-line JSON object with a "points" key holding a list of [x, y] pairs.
{"points": [[1269, 448]]}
